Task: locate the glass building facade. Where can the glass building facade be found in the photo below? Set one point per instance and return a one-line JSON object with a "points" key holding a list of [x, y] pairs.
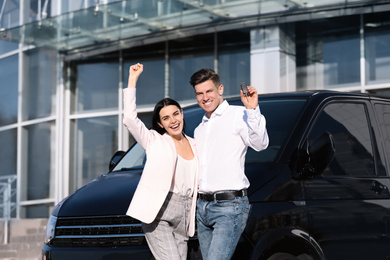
{"points": [[61, 102]]}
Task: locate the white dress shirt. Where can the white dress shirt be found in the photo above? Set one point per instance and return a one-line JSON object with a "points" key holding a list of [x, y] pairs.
{"points": [[222, 141]]}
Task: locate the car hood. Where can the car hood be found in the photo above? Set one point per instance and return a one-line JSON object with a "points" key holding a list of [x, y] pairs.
{"points": [[108, 194]]}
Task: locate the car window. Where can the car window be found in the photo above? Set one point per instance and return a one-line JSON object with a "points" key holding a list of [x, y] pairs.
{"points": [[135, 158], [193, 116], [383, 111], [280, 115], [349, 126]]}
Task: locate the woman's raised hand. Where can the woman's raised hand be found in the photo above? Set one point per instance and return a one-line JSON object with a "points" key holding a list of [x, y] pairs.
{"points": [[134, 72]]}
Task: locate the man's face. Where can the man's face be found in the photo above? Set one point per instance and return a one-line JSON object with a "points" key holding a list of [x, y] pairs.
{"points": [[209, 96]]}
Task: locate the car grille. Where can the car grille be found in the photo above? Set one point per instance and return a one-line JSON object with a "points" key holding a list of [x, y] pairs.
{"points": [[108, 231]]}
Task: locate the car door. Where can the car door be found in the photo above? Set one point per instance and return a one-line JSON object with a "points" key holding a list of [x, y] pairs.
{"points": [[382, 109], [348, 205]]}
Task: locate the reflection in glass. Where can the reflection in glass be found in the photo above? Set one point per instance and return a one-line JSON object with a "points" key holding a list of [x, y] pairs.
{"points": [[95, 140], [9, 90], [97, 87], [150, 85], [39, 89], [38, 174]]}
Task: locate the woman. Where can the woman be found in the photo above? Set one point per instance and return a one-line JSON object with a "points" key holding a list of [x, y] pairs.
{"points": [[165, 198]]}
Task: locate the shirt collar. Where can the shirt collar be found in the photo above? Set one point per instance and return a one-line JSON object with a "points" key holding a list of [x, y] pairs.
{"points": [[219, 111]]}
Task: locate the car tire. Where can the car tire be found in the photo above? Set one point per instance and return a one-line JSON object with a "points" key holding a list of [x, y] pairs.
{"points": [[287, 256]]}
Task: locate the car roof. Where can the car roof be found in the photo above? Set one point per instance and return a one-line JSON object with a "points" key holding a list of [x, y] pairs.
{"points": [[321, 94]]}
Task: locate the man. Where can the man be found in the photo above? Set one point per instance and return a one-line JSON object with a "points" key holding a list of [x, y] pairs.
{"points": [[222, 139]]}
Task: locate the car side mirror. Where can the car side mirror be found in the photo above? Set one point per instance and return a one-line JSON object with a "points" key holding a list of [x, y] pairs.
{"points": [[312, 162], [115, 159]]}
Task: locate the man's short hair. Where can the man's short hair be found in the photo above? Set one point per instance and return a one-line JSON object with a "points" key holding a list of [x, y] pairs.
{"points": [[203, 75]]}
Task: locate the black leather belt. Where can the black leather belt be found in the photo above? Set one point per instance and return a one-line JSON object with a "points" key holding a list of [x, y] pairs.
{"points": [[225, 195]]}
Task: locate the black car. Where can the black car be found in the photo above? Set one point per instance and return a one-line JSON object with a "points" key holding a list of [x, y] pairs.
{"points": [[319, 191]]}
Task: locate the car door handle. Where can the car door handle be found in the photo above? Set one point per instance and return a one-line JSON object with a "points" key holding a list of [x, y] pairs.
{"points": [[299, 203], [378, 188]]}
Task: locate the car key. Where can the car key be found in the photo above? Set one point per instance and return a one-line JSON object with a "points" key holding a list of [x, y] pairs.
{"points": [[244, 89]]}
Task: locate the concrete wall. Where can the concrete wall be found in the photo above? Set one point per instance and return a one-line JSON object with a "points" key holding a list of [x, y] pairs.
{"points": [[25, 239]]}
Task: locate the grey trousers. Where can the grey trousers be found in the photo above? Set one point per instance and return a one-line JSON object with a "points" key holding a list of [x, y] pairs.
{"points": [[167, 234]]}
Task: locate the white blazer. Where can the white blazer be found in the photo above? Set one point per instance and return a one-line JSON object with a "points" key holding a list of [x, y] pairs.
{"points": [[160, 166]]}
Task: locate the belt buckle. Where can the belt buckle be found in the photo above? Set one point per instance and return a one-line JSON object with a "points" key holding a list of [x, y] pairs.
{"points": [[227, 195]]}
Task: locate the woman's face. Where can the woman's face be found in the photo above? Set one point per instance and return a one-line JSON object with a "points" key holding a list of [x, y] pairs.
{"points": [[171, 119]]}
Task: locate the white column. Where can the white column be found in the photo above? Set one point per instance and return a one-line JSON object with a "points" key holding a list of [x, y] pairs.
{"points": [[273, 66]]}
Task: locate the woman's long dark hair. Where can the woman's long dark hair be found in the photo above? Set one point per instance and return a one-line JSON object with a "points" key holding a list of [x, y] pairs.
{"points": [[156, 114]]}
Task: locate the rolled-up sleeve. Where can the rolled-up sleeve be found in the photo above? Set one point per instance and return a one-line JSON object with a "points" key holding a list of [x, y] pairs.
{"points": [[257, 137]]}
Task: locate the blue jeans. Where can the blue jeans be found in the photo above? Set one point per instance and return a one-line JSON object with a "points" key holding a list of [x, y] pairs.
{"points": [[220, 225]]}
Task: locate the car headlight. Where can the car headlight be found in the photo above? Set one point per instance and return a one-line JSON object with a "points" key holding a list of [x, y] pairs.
{"points": [[50, 229]]}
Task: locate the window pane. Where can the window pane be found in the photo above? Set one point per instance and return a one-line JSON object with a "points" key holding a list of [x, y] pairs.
{"points": [[233, 60], [150, 85], [328, 53], [181, 70], [377, 46], [8, 152], [94, 142], [186, 57], [38, 9], [10, 16], [39, 89], [9, 91], [341, 57], [97, 87], [8, 164], [347, 123], [5, 45], [36, 211], [38, 174], [234, 68]]}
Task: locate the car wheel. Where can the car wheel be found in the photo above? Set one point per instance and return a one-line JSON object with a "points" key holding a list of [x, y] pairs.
{"points": [[287, 256]]}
